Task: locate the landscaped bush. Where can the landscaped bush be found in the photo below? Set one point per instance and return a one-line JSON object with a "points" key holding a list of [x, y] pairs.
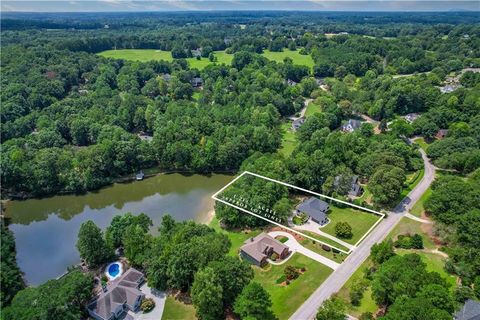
{"points": [[147, 305], [406, 241], [326, 248], [274, 257], [291, 272], [281, 279]]}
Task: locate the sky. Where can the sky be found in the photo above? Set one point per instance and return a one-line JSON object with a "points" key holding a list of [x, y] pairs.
{"points": [[219, 5]]}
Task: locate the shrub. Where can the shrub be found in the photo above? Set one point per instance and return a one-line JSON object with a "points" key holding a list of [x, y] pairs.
{"points": [[274, 257], [291, 272], [326, 248], [343, 230], [147, 305], [406, 241], [281, 279]]}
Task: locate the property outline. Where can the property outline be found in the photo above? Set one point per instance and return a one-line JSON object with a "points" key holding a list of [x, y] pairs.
{"points": [[382, 215]]}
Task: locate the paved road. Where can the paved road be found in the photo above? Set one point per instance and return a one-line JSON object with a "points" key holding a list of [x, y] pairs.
{"points": [[293, 244], [338, 278]]}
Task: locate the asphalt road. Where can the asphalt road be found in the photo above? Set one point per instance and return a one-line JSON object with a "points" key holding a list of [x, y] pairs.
{"points": [[338, 278]]}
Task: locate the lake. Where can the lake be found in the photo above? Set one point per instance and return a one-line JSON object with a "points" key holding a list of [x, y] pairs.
{"points": [[46, 229]]}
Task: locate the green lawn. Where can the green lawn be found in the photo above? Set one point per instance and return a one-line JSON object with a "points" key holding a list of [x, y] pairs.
{"points": [[412, 180], [325, 240], [177, 310], [422, 143], [317, 247], [142, 55], [305, 60], [418, 208], [289, 140], [367, 304], [237, 238], [287, 299], [312, 108], [407, 225], [360, 221]]}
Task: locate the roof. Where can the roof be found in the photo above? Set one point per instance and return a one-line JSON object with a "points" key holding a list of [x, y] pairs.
{"points": [[355, 124], [298, 122], [469, 311], [314, 207], [122, 291], [258, 246]]}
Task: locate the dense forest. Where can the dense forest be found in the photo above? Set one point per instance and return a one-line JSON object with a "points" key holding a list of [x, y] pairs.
{"points": [[73, 121]]}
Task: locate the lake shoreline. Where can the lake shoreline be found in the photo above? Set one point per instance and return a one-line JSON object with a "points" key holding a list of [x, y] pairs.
{"points": [[124, 179]]}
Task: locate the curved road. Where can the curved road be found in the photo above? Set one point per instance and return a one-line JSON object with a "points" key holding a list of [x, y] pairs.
{"points": [[337, 279]]}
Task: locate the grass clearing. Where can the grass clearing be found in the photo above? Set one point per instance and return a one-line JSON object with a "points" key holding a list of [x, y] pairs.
{"points": [[142, 55], [287, 299], [312, 108], [422, 143], [177, 310], [412, 180], [418, 207], [237, 238], [360, 222], [289, 140], [304, 60], [409, 226]]}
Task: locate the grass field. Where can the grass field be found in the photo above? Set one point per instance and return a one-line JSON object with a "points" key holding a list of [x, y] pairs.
{"points": [[289, 140], [312, 108], [142, 55], [412, 180], [177, 310], [359, 221], [145, 55], [367, 304], [411, 226], [237, 238], [287, 299], [422, 143], [305, 60], [325, 240], [418, 208], [317, 247]]}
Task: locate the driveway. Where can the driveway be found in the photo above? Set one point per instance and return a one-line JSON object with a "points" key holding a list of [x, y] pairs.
{"points": [[159, 297], [294, 246]]}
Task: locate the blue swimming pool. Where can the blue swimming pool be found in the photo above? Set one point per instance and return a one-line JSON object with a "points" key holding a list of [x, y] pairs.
{"points": [[113, 270]]}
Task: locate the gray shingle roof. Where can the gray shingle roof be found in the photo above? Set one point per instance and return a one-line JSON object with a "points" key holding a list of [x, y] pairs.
{"points": [[314, 207], [469, 311]]}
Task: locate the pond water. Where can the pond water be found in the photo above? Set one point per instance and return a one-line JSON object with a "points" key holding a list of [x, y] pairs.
{"points": [[46, 229]]}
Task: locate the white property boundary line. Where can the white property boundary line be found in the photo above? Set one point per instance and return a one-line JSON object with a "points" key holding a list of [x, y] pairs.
{"points": [[215, 197]]}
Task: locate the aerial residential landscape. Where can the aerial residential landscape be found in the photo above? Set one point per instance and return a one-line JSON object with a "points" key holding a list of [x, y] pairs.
{"points": [[257, 160]]}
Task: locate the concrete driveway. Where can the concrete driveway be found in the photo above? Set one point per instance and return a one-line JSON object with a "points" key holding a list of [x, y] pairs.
{"points": [[159, 297], [294, 246]]}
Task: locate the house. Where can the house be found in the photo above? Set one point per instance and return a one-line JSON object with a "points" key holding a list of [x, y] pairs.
{"points": [[442, 133], [258, 249], [448, 88], [411, 117], [120, 296], [140, 175], [320, 81], [351, 125], [469, 311], [291, 83], [355, 188], [166, 76], [316, 209], [197, 52], [297, 123], [145, 137], [196, 82]]}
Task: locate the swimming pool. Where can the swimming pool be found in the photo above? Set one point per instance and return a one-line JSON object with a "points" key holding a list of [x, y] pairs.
{"points": [[113, 270]]}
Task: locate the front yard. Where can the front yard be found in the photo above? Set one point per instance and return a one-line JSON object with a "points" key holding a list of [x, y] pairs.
{"points": [[360, 221], [287, 298]]}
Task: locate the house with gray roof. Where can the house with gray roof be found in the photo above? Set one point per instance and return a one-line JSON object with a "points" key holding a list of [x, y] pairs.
{"points": [[119, 296], [351, 125], [469, 311], [258, 249], [196, 82], [316, 209], [355, 187], [297, 123]]}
